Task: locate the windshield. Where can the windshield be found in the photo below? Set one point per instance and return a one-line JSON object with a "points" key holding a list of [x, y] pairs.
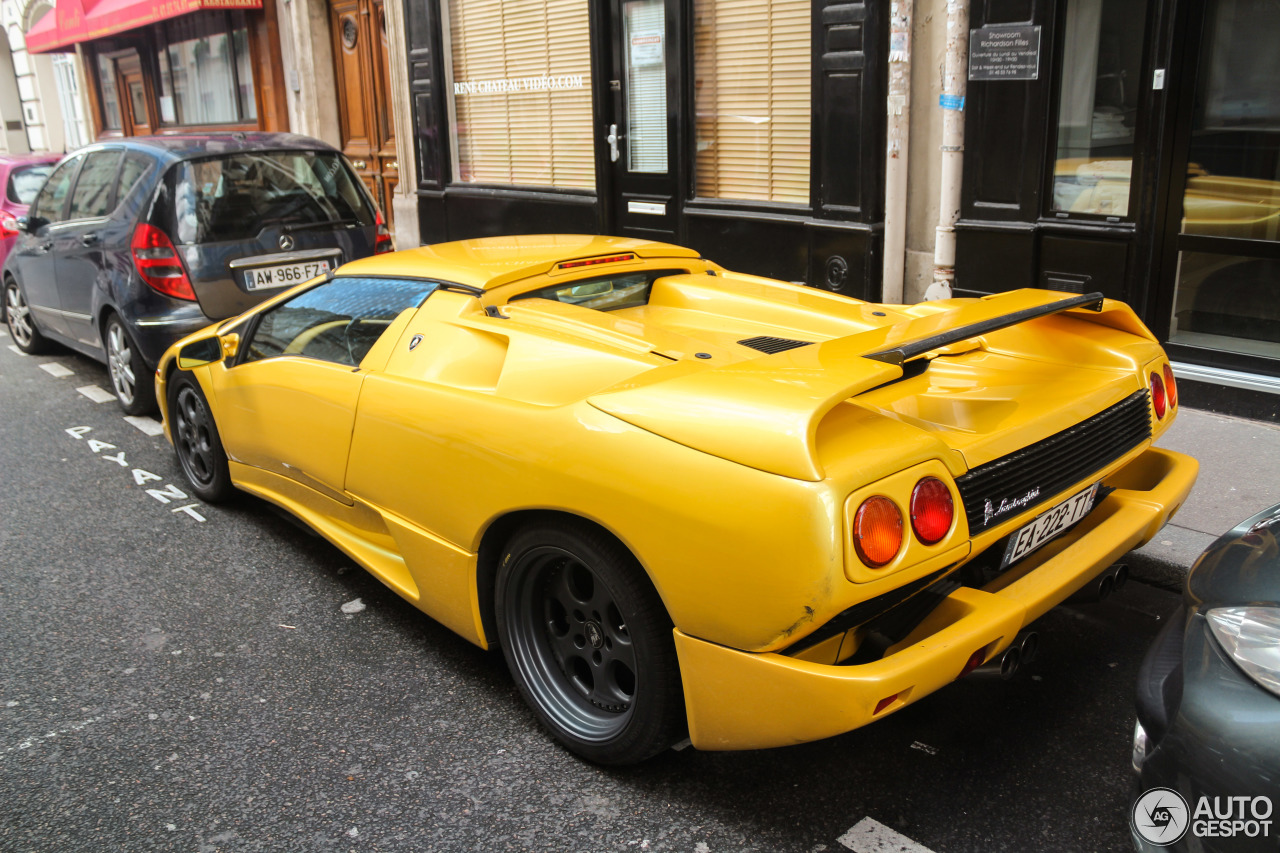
{"points": [[233, 197], [26, 181]]}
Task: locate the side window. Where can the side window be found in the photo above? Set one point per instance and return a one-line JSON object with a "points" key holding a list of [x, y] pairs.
{"points": [[92, 196], [48, 203], [339, 321], [135, 166]]}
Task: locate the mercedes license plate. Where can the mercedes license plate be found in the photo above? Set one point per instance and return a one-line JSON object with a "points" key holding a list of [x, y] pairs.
{"points": [[1049, 525], [283, 275]]}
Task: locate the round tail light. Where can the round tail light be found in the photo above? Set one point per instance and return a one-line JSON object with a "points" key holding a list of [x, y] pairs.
{"points": [[1157, 395], [1170, 387], [931, 510], [877, 531]]}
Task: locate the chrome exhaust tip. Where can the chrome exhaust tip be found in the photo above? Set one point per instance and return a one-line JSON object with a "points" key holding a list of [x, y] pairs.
{"points": [[1021, 651], [1102, 586]]}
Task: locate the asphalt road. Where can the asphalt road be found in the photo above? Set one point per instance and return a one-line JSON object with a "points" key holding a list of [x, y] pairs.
{"points": [[177, 676]]}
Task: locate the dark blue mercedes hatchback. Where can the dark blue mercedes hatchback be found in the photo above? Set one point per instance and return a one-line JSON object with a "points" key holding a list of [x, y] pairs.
{"points": [[134, 243]]}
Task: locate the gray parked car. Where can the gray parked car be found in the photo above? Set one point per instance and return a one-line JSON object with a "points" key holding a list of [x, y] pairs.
{"points": [[134, 243], [1207, 743]]}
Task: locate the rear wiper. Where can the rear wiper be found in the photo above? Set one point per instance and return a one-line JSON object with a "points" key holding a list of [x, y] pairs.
{"points": [[303, 226]]}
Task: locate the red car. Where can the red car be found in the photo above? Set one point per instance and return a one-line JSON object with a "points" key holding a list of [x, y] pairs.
{"points": [[22, 176]]}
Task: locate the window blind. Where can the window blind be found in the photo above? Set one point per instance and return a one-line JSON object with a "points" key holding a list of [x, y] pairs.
{"points": [[752, 90], [521, 89]]}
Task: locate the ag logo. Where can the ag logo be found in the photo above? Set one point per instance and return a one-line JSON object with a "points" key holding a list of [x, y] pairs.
{"points": [[1160, 816]]}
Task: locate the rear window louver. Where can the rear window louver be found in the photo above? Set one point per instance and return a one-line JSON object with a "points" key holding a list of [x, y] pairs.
{"points": [[770, 345]]}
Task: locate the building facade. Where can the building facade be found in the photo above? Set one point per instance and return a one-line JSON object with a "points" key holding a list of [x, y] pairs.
{"points": [[882, 149], [1130, 147]]}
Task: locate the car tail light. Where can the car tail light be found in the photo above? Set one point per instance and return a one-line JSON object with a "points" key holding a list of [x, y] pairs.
{"points": [[382, 244], [8, 224], [1170, 387], [877, 531], [158, 263], [1158, 399], [932, 510]]}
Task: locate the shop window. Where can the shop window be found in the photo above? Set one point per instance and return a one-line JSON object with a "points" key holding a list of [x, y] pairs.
{"points": [[752, 85], [1099, 82], [1229, 270], [206, 75], [111, 119], [521, 93]]}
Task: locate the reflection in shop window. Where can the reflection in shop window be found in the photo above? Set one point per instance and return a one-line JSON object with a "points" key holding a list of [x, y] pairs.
{"points": [[1227, 299], [520, 86], [206, 76], [110, 99], [1097, 106], [751, 94]]}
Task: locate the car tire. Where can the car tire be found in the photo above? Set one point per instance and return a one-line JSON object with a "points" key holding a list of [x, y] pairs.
{"points": [[589, 643], [22, 326], [131, 379], [196, 440]]}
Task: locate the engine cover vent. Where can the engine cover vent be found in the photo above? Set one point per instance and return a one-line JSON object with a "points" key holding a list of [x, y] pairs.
{"points": [[764, 343]]}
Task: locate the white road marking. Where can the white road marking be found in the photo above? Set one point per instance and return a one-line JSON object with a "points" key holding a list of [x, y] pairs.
{"points": [[57, 370], [96, 394], [13, 348], [870, 836], [28, 743], [150, 426]]}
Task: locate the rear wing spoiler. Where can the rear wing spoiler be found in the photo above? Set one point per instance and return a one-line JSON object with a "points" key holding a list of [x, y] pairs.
{"points": [[764, 412], [904, 352]]}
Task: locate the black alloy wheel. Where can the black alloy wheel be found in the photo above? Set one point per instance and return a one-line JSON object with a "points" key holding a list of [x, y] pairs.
{"points": [[589, 643], [196, 440], [131, 379], [22, 327]]}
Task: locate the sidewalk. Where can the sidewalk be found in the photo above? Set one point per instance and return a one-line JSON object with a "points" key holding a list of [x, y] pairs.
{"points": [[1239, 476]]}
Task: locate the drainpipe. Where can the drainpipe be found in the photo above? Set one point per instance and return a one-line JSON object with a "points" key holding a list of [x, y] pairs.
{"points": [[895, 172], [955, 74]]}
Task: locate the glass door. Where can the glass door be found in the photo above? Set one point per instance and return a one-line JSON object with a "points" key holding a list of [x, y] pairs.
{"points": [[640, 130], [1225, 300]]}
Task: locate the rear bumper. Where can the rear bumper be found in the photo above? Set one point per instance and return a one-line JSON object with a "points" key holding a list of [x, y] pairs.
{"points": [[741, 700]]}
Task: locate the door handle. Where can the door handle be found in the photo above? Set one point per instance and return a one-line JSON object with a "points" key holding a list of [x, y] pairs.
{"points": [[612, 139], [89, 240], [360, 164], [44, 248]]}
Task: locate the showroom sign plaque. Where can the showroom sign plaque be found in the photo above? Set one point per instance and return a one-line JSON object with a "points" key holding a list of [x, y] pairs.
{"points": [[1004, 53]]}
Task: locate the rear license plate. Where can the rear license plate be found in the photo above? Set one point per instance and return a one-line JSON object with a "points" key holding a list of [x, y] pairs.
{"points": [[1049, 525], [283, 275]]}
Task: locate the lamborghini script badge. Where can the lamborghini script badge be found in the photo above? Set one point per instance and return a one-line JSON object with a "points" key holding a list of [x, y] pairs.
{"points": [[1007, 505], [414, 341]]}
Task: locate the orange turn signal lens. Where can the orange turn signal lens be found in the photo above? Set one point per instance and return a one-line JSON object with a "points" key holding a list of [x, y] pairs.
{"points": [[931, 510], [1170, 387], [1158, 399], [877, 531]]}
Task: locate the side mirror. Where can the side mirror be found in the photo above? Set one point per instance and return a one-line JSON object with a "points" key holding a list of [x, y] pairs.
{"points": [[208, 350]]}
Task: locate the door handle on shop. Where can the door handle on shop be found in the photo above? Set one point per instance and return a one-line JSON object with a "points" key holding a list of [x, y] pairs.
{"points": [[360, 164], [612, 139]]}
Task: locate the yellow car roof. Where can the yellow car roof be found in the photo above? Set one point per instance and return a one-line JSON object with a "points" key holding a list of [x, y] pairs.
{"points": [[489, 262]]}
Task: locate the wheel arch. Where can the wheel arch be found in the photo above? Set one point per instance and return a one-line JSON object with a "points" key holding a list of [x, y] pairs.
{"points": [[500, 531]]}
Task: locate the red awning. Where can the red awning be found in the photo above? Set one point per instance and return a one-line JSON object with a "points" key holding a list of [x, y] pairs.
{"points": [[75, 21]]}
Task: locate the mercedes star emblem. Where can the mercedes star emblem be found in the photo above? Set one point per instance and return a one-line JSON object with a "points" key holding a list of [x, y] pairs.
{"points": [[286, 242]]}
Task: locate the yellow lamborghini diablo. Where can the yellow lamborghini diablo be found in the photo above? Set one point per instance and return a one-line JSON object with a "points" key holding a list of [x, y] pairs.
{"points": [[687, 502]]}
